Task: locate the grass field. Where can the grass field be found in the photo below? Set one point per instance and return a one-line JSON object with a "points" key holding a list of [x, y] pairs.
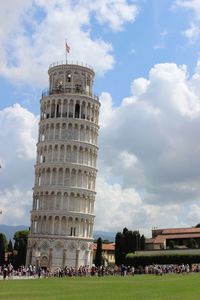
{"points": [[139, 287]]}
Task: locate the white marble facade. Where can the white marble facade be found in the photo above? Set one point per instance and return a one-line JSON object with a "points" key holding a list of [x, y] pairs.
{"points": [[62, 215]]}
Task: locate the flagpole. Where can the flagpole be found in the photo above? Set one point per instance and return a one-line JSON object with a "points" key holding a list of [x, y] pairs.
{"points": [[66, 50]]}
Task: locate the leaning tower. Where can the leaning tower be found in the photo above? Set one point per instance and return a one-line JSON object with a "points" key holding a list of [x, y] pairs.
{"points": [[62, 215]]}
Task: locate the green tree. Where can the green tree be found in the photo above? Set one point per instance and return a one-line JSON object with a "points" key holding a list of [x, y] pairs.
{"points": [[10, 252], [20, 238], [119, 259], [3, 247], [192, 244], [171, 244], [127, 242], [10, 246], [98, 257], [142, 242]]}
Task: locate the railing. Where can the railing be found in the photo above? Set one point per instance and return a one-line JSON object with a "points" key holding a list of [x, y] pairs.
{"points": [[58, 63], [75, 91]]}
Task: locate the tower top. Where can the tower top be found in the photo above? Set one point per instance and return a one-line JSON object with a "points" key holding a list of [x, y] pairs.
{"points": [[70, 78], [70, 63]]}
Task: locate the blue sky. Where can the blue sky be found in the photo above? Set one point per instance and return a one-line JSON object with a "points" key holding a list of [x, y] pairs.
{"points": [[154, 37], [146, 58]]}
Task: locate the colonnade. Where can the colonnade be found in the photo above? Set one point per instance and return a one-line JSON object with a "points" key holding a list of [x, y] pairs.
{"points": [[59, 153], [69, 108], [64, 202], [63, 226], [68, 131], [65, 177]]}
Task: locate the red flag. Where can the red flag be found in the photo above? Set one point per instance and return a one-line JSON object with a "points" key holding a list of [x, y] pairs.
{"points": [[67, 47]]}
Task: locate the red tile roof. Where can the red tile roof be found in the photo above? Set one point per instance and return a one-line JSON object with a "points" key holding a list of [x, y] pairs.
{"points": [[180, 230], [161, 238], [105, 247]]}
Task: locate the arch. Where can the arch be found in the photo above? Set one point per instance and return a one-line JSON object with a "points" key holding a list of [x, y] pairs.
{"points": [[70, 132], [65, 201], [76, 132], [83, 109], [69, 77], [60, 176], [86, 157], [47, 178], [51, 201], [80, 155], [58, 201], [88, 111], [53, 109], [51, 132], [68, 154], [57, 132], [63, 225], [73, 177], [56, 225], [63, 131], [44, 263], [71, 106], [74, 154], [62, 153], [71, 202], [70, 226], [59, 85], [87, 134], [54, 176], [65, 108], [66, 177], [55, 153], [50, 225], [82, 133], [79, 178]]}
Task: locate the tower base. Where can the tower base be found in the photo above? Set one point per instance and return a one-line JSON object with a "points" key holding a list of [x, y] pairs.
{"points": [[54, 253]]}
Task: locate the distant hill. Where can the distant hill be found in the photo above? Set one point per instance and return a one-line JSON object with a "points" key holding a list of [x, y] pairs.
{"points": [[9, 232], [110, 236]]}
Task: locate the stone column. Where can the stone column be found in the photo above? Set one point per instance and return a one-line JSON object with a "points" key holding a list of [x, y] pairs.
{"points": [[64, 258], [77, 258]]}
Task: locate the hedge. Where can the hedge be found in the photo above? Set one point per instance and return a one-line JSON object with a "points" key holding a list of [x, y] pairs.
{"points": [[162, 259]]}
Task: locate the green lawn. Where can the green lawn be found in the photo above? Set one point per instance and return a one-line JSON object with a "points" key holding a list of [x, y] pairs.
{"points": [[139, 287]]}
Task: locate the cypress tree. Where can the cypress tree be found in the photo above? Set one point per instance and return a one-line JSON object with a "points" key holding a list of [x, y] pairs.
{"points": [[118, 249], [10, 252], [21, 238], [10, 246], [142, 242], [98, 257], [2, 248]]}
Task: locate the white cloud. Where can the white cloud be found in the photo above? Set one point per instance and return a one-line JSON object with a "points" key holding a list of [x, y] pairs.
{"points": [[193, 5], [148, 159], [20, 128], [115, 12], [160, 128], [194, 214], [115, 207], [192, 33], [35, 32], [161, 43], [15, 205], [18, 134]]}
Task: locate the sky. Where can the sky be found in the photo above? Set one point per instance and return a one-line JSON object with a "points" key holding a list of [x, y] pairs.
{"points": [[146, 57]]}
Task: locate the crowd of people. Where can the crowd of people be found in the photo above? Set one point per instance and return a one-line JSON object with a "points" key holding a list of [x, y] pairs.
{"points": [[8, 271]]}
